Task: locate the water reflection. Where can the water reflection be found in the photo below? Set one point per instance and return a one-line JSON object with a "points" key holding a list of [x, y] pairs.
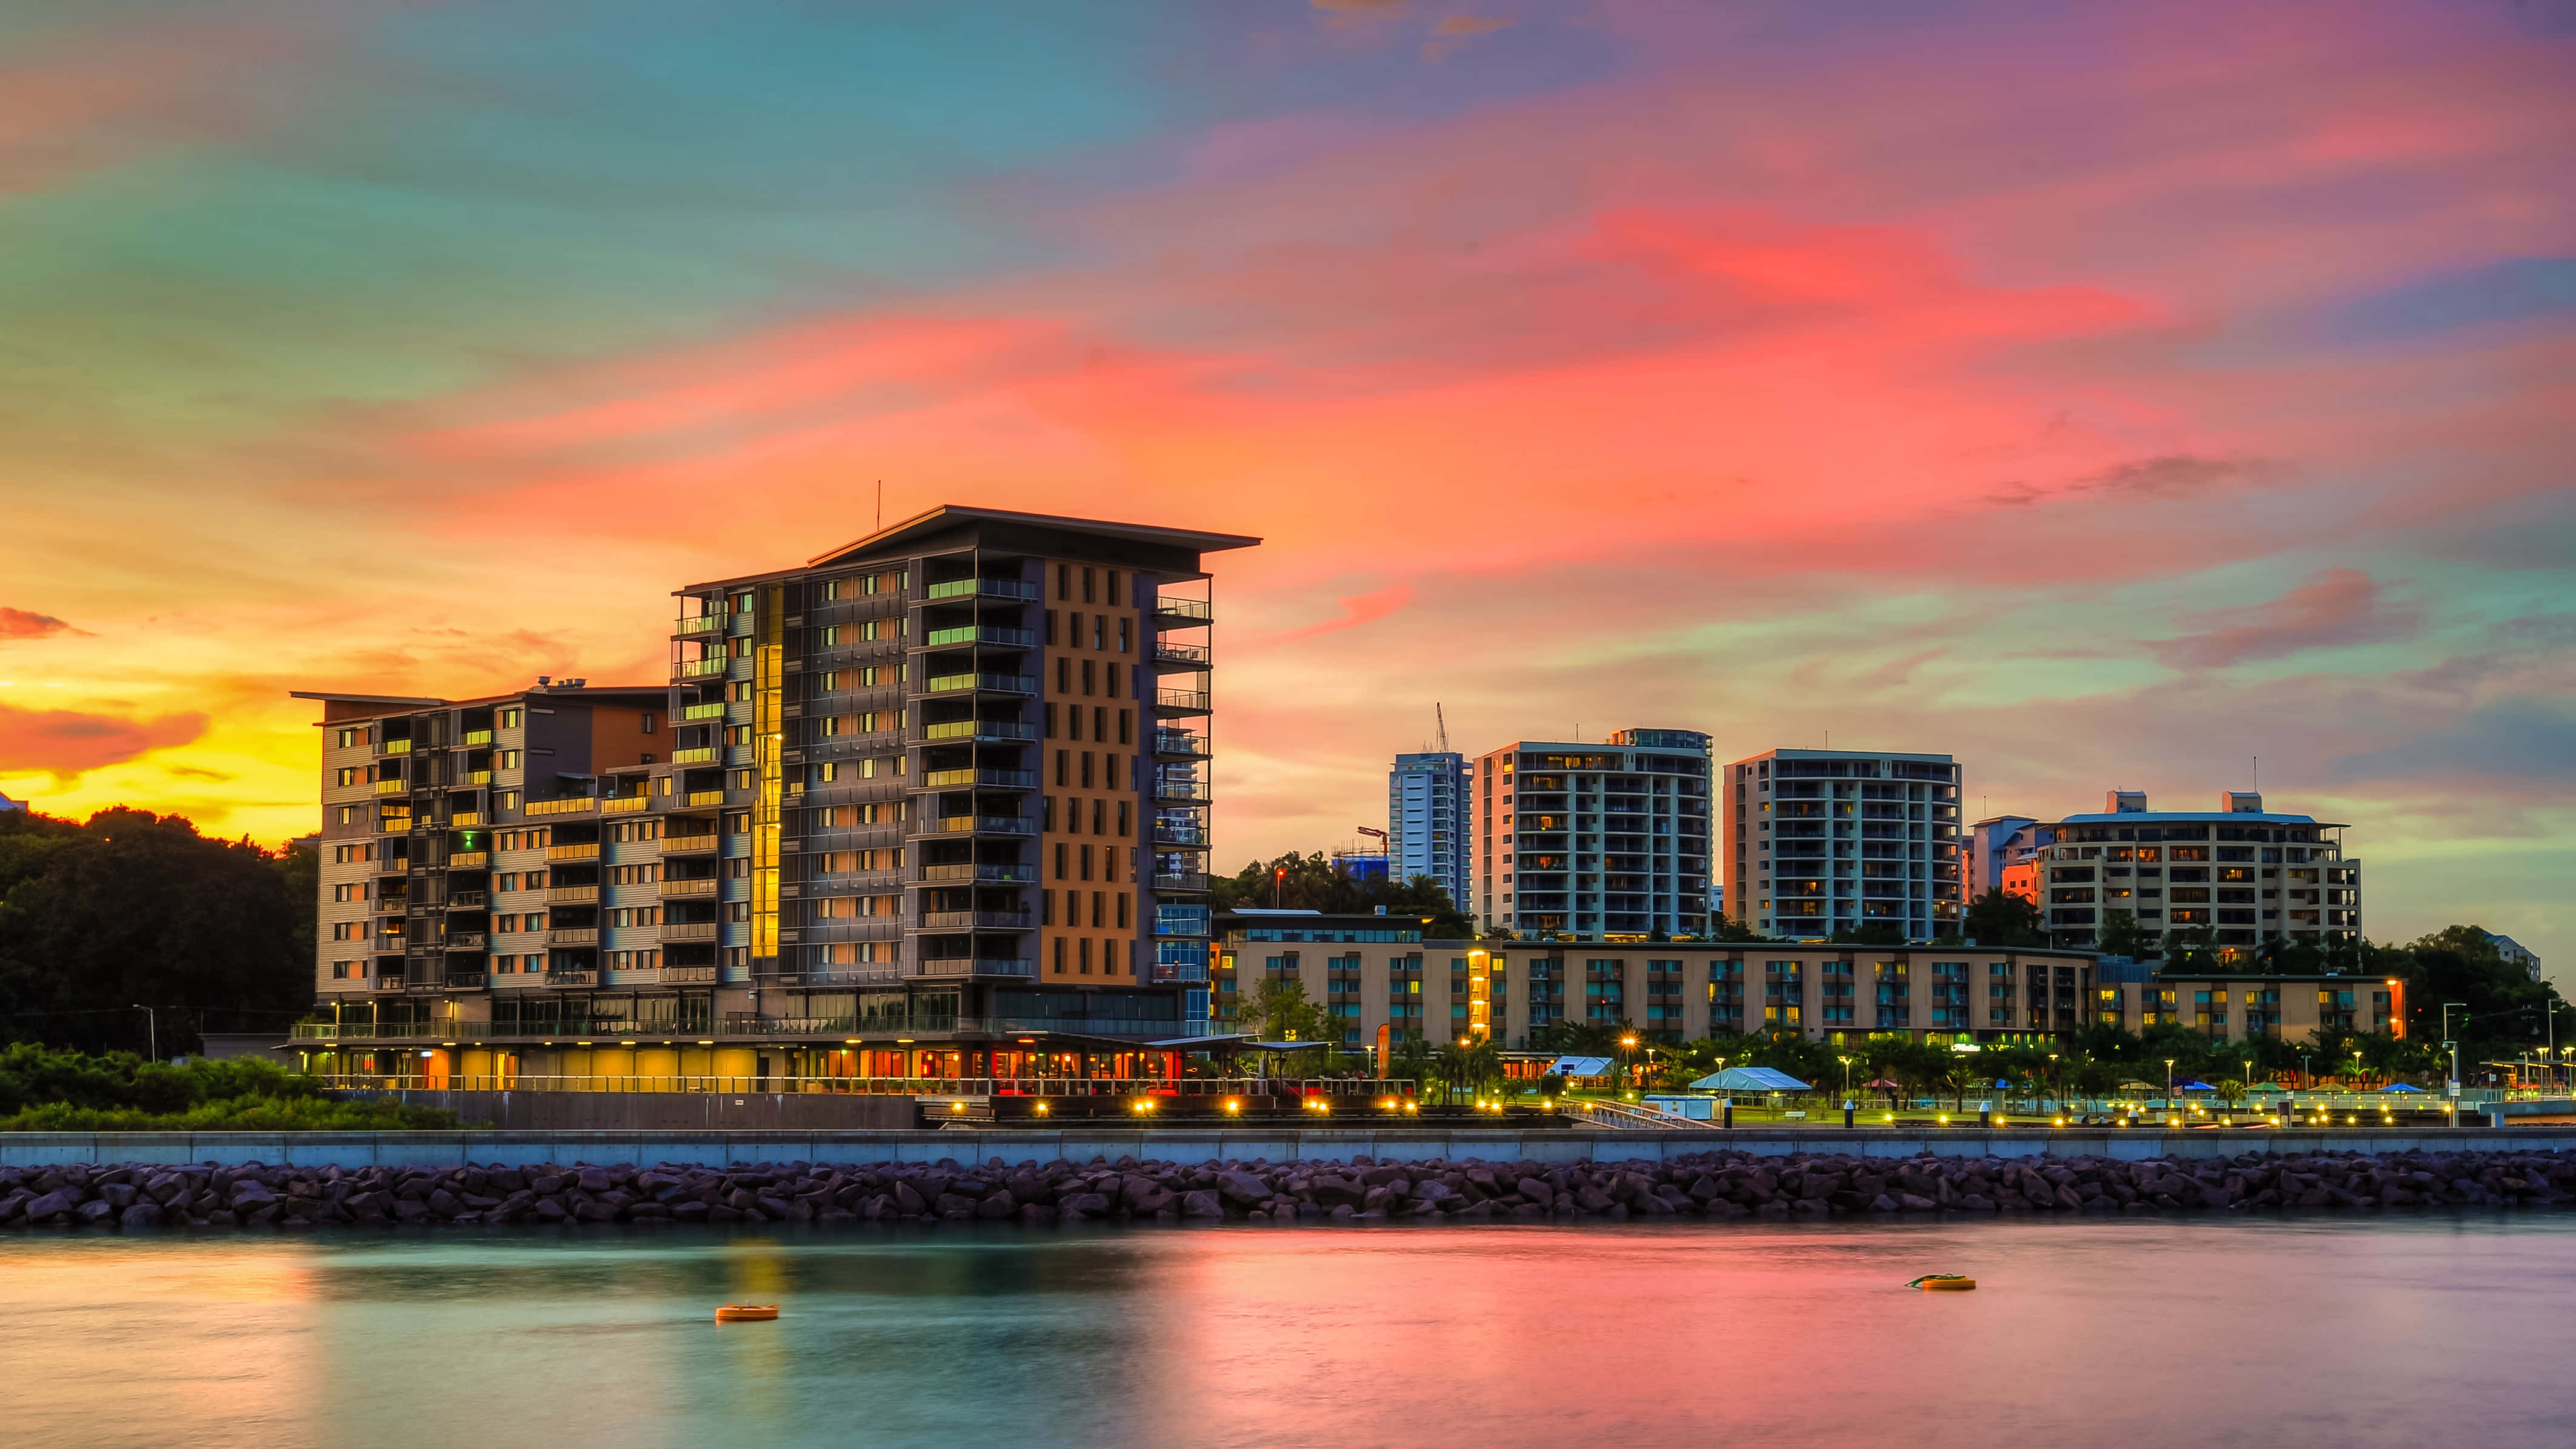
{"points": [[2137, 1332]]}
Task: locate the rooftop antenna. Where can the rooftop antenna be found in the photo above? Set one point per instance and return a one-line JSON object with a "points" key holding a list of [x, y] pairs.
{"points": [[880, 528], [2258, 774], [1444, 726]]}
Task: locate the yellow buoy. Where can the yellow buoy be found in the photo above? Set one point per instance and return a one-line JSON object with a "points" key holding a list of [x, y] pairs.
{"points": [[746, 1312], [1943, 1283]]}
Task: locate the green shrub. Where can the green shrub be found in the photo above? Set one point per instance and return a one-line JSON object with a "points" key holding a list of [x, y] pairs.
{"points": [[44, 1090]]}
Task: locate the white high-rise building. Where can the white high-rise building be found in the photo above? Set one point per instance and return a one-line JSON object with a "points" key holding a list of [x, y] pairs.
{"points": [[1428, 816], [1820, 841]]}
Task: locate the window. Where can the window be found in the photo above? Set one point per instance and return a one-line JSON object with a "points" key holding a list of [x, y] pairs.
{"points": [[1064, 581], [648, 722], [1090, 583], [1122, 634], [1114, 598], [348, 775], [352, 892], [349, 739], [1088, 676], [511, 718], [348, 930]]}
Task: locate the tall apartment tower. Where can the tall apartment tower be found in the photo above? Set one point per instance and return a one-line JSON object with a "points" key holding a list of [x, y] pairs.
{"points": [[1429, 819], [921, 806], [1820, 841], [1606, 841]]}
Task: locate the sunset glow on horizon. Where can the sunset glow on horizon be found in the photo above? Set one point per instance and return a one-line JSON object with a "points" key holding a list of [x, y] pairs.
{"points": [[2107, 396]]}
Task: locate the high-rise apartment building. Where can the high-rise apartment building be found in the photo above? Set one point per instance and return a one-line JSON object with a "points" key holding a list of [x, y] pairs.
{"points": [[2239, 870], [936, 799], [1606, 841], [1821, 841], [1429, 820]]}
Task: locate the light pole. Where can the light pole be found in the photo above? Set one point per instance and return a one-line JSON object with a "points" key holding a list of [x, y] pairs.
{"points": [[152, 1027], [2169, 1061]]}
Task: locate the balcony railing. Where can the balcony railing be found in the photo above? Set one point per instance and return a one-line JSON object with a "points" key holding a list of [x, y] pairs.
{"points": [[704, 797], [392, 787], [711, 709], [701, 624], [585, 936], [1185, 656], [623, 804], [706, 844], [689, 931], [980, 966], [466, 901], [688, 975], [1181, 744], [975, 871], [572, 978], [695, 755], [1182, 792], [468, 860], [575, 805], [474, 777], [1185, 838], [1182, 701], [465, 820], [1180, 882], [686, 887], [699, 668], [471, 738], [966, 779], [577, 850], [572, 895], [464, 941], [980, 729], [983, 588], [977, 921], [978, 825], [393, 747], [980, 634], [983, 684], [1183, 613]]}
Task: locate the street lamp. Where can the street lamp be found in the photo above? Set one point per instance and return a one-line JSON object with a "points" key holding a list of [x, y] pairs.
{"points": [[152, 1026], [2169, 1061]]}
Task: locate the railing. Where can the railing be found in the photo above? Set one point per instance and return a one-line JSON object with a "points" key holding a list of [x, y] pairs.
{"points": [[623, 804], [979, 871], [695, 755], [1192, 881], [471, 738], [467, 980], [1190, 656], [703, 797], [474, 777], [987, 588], [1183, 699], [572, 895], [1362, 1090], [998, 779], [977, 825], [464, 941], [1164, 973], [1167, 835], [466, 901], [393, 747], [1182, 792], [583, 936], [980, 729], [391, 787], [468, 860], [699, 668], [702, 624], [389, 981], [691, 844], [711, 709], [1188, 611], [577, 805], [572, 978], [977, 921], [980, 966], [983, 683], [980, 634], [688, 930], [577, 850], [687, 887], [1611, 1114]]}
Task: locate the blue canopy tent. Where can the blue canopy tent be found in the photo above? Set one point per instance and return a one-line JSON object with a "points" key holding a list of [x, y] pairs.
{"points": [[2401, 1087], [1749, 1079]]}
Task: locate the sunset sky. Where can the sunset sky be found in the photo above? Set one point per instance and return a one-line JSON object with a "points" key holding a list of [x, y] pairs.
{"points": [[2106, 394]]}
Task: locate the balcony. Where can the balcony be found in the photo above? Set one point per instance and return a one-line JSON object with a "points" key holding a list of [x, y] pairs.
{"points": [[1166, 973], [464, 941], [980, 730], [471, 738], [1181, 745], [465, 901], [469, 860], [712, 709], [698, 668], [393, 747], [1022, 684], [623, 804], [572, 895], [980, 966], [1182, 702], [584, 936], [706, 844], [392, 787], [703, 797], [1181, 883], [468, 981], [976, 825], [465, 820], [572, 978], [471, 778], [688, 975], [702, 624], [1178, 613], [1181, 837], [699, 755], [981, 871], [579, 850], [984, 589], [576, 805], [687, 931], [969, 634], [683, 887], [389, 981], [1181, 792], [1183, 656], [968, 779], [977, 921]]}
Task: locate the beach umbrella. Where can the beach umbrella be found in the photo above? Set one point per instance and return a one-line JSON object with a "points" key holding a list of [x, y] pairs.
{"points": [[2198, 1087], [2401, 1087]]}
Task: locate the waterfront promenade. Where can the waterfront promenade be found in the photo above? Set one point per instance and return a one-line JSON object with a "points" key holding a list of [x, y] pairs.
{"points": [[1185, 1145]]}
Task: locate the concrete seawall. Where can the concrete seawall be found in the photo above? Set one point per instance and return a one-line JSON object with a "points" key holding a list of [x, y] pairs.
{"points": [[1184, 1145]]}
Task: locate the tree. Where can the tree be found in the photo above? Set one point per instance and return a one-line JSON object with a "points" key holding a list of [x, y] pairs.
{"points": [[2121, 935], [2191, 948], [1999, 918], [132, 907], [1880, 934], [1279, 1011], [1722, 927], [1310, 883]]}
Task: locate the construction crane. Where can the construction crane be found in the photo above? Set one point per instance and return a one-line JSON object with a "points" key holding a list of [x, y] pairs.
{"points": [[1372, 830], [1444, 726]]}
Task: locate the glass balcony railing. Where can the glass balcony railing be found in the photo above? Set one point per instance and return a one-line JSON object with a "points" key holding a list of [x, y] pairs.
{"points": [[712, 709], [982, 588], [981, 634], [702, 624], [983, 683], [980, 729], [472, 738], [698, 668]]}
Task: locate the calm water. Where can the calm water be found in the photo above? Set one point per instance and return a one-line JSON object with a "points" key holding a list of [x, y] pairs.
{"points": [[2126, 1332]]}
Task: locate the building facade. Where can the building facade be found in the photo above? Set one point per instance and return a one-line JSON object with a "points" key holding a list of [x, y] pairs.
{"points": [[2238, 1008], [2244, 873], [1606, 841], [1373, 972], [1430, 819], [1820, 841], [1996, 844], [936, 799]]}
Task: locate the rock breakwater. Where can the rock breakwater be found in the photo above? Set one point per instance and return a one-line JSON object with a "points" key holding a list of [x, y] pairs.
{"points": [[1713, 1186]]}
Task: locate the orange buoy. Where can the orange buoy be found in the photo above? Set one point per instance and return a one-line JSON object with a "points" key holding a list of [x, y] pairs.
{"points": [[1943, 1283], [746, 1312]]}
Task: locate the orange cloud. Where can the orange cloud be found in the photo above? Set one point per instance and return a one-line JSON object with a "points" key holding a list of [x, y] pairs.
{"points": [[66, 743], [20, 624]]}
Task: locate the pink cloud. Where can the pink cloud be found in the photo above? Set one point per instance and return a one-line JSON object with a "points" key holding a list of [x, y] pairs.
{"points": [[2331, 609], [20, 624], [65, 743], [1357, 609]]}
